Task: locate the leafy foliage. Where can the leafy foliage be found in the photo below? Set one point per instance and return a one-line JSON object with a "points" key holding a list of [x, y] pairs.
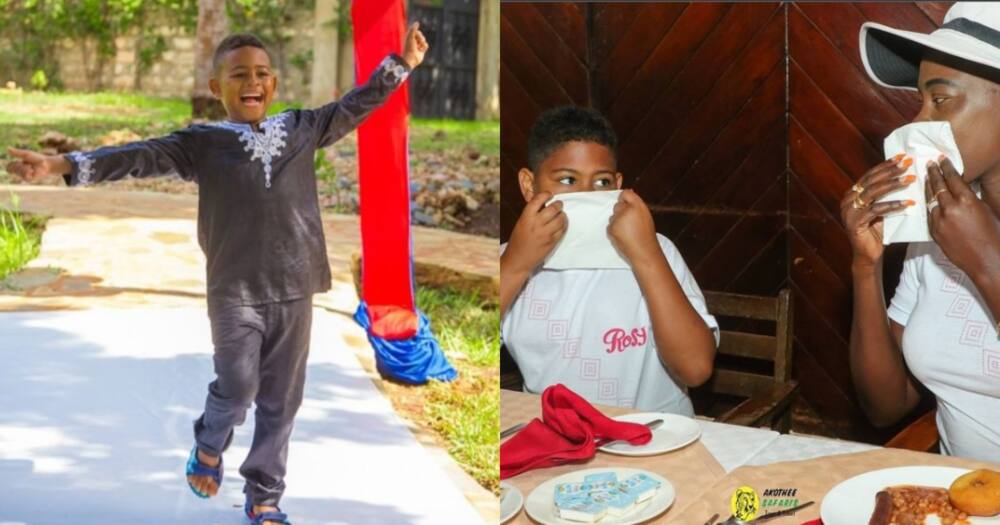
{"points": [[20, 238], [31, 31], [270, 20]]}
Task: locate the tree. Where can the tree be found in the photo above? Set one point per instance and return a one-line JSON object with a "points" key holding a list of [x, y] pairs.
{"points": [[324, 53], [212, 28]]}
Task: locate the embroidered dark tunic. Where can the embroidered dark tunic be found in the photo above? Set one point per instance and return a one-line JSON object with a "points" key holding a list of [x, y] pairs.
{"points": [[258, 211]]}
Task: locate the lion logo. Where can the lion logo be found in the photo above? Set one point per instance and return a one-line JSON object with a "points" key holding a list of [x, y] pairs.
{"points": [[745, 503]]}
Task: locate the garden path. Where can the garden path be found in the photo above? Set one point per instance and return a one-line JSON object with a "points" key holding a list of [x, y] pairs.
{"points": [[120, 278]]}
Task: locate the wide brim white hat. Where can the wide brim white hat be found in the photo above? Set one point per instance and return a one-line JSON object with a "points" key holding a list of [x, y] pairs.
{"points": [[971, 31]]}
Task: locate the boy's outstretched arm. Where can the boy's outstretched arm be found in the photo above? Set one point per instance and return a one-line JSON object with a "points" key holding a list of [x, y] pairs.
{"points": [[338, 118], [683, 340], [171, 154]]}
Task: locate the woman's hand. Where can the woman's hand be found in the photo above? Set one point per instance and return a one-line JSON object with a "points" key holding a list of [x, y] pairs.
{"points": [[862, 216], [537, 231], [631, 228], [414, 46], [961, 223]]}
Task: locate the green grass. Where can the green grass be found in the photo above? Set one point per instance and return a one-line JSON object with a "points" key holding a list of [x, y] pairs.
{"points": [[463, 323], [54, 108], [26, 115], [469, 420], [83, 116], [466, 412], [88, 116], [20, 239], [446, 134]]}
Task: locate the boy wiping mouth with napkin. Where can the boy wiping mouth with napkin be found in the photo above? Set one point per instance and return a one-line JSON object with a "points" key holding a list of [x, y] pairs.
{"points": [[633, 334]]}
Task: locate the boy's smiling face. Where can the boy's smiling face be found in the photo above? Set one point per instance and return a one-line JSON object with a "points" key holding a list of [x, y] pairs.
{"points": [[245, 84], [574, 166]]}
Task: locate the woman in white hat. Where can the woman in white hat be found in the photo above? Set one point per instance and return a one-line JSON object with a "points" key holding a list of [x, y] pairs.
{"points": [[940, 329]]}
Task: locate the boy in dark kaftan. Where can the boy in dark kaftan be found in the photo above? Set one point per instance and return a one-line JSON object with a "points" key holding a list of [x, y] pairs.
{"points": [[260, 228]]}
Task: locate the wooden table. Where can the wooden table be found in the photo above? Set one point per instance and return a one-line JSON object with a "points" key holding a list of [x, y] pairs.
{"points": [[690, 469], [704, 487]]}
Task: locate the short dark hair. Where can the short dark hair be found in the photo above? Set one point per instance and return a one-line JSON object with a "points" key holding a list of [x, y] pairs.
{"points": [[236, 41], [557, 126]]}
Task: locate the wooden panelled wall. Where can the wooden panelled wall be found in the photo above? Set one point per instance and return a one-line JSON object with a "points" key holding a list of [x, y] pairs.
{"points": [[741, 125]]}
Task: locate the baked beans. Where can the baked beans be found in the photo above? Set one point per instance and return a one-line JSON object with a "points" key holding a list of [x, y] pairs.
{"points": [[911, 504]]}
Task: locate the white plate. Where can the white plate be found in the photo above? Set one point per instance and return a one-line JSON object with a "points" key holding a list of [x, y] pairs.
{"points": [[541, 507], [511, 502], [852, 501], [675, 432]]}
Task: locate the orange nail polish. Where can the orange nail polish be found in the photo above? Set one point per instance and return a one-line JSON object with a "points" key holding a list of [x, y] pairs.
{"points": [[898, 157], [907, 163], [910, 202], [909, 179]]}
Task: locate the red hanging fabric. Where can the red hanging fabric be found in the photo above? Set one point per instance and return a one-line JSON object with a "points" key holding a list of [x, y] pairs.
{"points": [[387, 277]]}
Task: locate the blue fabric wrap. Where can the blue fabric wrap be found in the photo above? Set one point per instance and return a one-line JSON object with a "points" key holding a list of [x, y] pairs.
{"points": [[414, 360]]}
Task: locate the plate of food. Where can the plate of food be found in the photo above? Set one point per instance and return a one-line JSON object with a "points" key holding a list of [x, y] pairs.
{"points": [[511, 501], [676, 432], [606, 496], [914, 495]]}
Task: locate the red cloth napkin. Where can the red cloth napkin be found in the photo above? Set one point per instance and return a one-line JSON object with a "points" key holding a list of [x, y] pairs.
{"points": [[566, 433]]}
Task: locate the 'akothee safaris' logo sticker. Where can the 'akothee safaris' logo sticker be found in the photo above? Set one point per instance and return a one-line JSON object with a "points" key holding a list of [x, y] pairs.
{"points": [[745, 503]]}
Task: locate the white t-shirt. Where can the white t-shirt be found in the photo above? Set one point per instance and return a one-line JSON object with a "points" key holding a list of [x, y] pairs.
{"points": [[590, 330], [950, 345]]}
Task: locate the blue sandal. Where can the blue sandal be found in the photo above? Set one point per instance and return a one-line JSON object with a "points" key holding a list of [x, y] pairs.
{"points": [[258, 519], [197, 468]]}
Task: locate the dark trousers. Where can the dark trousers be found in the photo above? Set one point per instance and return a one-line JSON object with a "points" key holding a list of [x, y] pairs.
{"points": [[260, 357]]}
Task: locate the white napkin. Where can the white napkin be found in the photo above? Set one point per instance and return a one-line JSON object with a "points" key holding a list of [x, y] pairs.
{"points": [[923, 142], [586, 243]]}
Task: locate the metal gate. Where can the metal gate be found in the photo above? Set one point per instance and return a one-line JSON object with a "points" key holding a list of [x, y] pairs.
{"points": [[444, 86]]}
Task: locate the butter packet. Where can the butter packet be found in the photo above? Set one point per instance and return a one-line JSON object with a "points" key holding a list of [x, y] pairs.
{"points": [[640, 486], [601, 477], [567, 492], [586, 512], [618, 503]]}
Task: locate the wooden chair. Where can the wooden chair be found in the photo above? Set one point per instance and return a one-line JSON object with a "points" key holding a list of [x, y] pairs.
{"points": [[751, 384], [763, 399], [921, 435], [510, 374]]}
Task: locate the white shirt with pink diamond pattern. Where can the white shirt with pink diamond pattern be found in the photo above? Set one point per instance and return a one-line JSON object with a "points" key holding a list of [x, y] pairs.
{"points": [[590, 330], [951, 346]]}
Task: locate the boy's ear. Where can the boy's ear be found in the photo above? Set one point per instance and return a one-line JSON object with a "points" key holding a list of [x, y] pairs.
{"points": [[618, 180], [526, 180], [213, 85]]}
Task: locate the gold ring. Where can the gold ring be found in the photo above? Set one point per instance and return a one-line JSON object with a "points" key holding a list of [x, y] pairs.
{"points": [[938, 192], [931, 205], [857, 188], [858, 203]]}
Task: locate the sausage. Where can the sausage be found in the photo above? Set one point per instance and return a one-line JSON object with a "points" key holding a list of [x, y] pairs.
{"points": [[883, 509]]}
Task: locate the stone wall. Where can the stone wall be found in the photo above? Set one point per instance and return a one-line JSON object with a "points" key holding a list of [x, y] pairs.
{"points": [[173, 74]]}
